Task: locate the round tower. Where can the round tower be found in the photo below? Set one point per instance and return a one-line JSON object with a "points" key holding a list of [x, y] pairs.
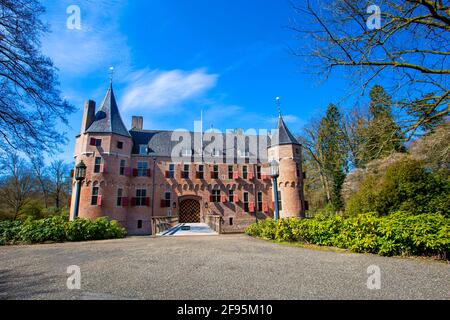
{"points": [[104, 145], [285, 149]]}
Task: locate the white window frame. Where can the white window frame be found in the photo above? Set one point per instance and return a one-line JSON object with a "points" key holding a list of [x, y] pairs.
{"points": [[141, 146]]}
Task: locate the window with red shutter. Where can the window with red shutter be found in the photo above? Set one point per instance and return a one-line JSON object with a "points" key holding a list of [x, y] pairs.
{"points": [[265, 207], [147, 201], [149, 172], [250, 175], [135, 172], [133, 202], [127, 171], [102, 168], [125, 201], [235, 175], [99, 200], [251, 207], [223, 199], [92, 141], [235, 198]]}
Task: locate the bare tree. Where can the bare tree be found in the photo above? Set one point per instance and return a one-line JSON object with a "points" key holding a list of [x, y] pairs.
{"points": [[434, 149], [309, 142], [16, 183], [409, 50], [30, 102], [60, 185], [39, 168]]}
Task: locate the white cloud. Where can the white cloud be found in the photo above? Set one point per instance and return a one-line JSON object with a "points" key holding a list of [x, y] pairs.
{"points": [[163, 90], [98, 45]]}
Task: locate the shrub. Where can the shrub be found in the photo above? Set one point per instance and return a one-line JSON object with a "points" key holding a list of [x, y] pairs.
{"points": [[400, 233], [49, 229], [58, 229], [9, 231]]}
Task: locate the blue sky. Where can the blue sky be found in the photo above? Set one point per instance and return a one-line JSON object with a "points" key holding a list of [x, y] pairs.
{"points": [[173, 58]]}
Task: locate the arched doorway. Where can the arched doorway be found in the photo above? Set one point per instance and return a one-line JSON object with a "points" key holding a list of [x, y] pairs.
{"points": [[189, 211]]}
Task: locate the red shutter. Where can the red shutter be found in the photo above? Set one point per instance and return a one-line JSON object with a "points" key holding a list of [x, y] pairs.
{"points": [[167, 175], [102, 168], [265, 207], [125, 201], [235, 198], [149, 172], [133, 202], [147, 201], [72, 173], [235, 175], [127, 171], [135, 172], [92, 141], [251, 207], [250, 176], [223, 199], [163, 203], [99, 200], [211, 199]]}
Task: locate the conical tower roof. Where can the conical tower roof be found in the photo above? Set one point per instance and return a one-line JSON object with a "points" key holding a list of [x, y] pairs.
{"points": [[107, 119], [284, 136]]}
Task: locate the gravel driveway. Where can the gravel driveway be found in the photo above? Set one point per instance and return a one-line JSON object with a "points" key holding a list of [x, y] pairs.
{"points": [[215, 267]]}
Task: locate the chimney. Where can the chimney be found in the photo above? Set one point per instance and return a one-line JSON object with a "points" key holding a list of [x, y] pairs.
{"points": [[88, 115], [137, 123]]}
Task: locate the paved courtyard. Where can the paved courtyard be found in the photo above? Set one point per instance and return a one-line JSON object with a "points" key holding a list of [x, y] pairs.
{"points": [[213, 267]]}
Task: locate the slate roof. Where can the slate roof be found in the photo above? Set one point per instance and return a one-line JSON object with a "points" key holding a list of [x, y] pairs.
{"points": [[107, 119], [160, 142], [284, 136]]}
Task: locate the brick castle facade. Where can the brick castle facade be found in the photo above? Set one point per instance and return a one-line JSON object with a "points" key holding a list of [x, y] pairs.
{"points": [[132, 175]]}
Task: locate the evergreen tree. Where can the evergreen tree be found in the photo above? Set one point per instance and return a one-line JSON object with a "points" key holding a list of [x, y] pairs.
{"points": [[380, 135], [331, 150]]}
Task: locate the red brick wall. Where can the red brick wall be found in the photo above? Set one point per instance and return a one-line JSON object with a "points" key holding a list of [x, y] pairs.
{"points": [[109, 181]]}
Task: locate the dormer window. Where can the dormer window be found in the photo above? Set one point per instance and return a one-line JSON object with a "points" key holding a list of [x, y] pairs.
{"points": [[215, 152], [143, 149], [187, 152], [243, 154], [119, 145]]}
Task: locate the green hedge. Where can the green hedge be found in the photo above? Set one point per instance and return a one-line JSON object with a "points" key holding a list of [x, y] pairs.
{"points": [[58, 229], [397, 234]]}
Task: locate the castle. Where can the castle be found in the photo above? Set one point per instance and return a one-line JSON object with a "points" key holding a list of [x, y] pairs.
{"points": [[135, 175]]}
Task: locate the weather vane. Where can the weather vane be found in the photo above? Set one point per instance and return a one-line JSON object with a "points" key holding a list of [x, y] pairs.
{"points": [[278, 105], [111, 73]]}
